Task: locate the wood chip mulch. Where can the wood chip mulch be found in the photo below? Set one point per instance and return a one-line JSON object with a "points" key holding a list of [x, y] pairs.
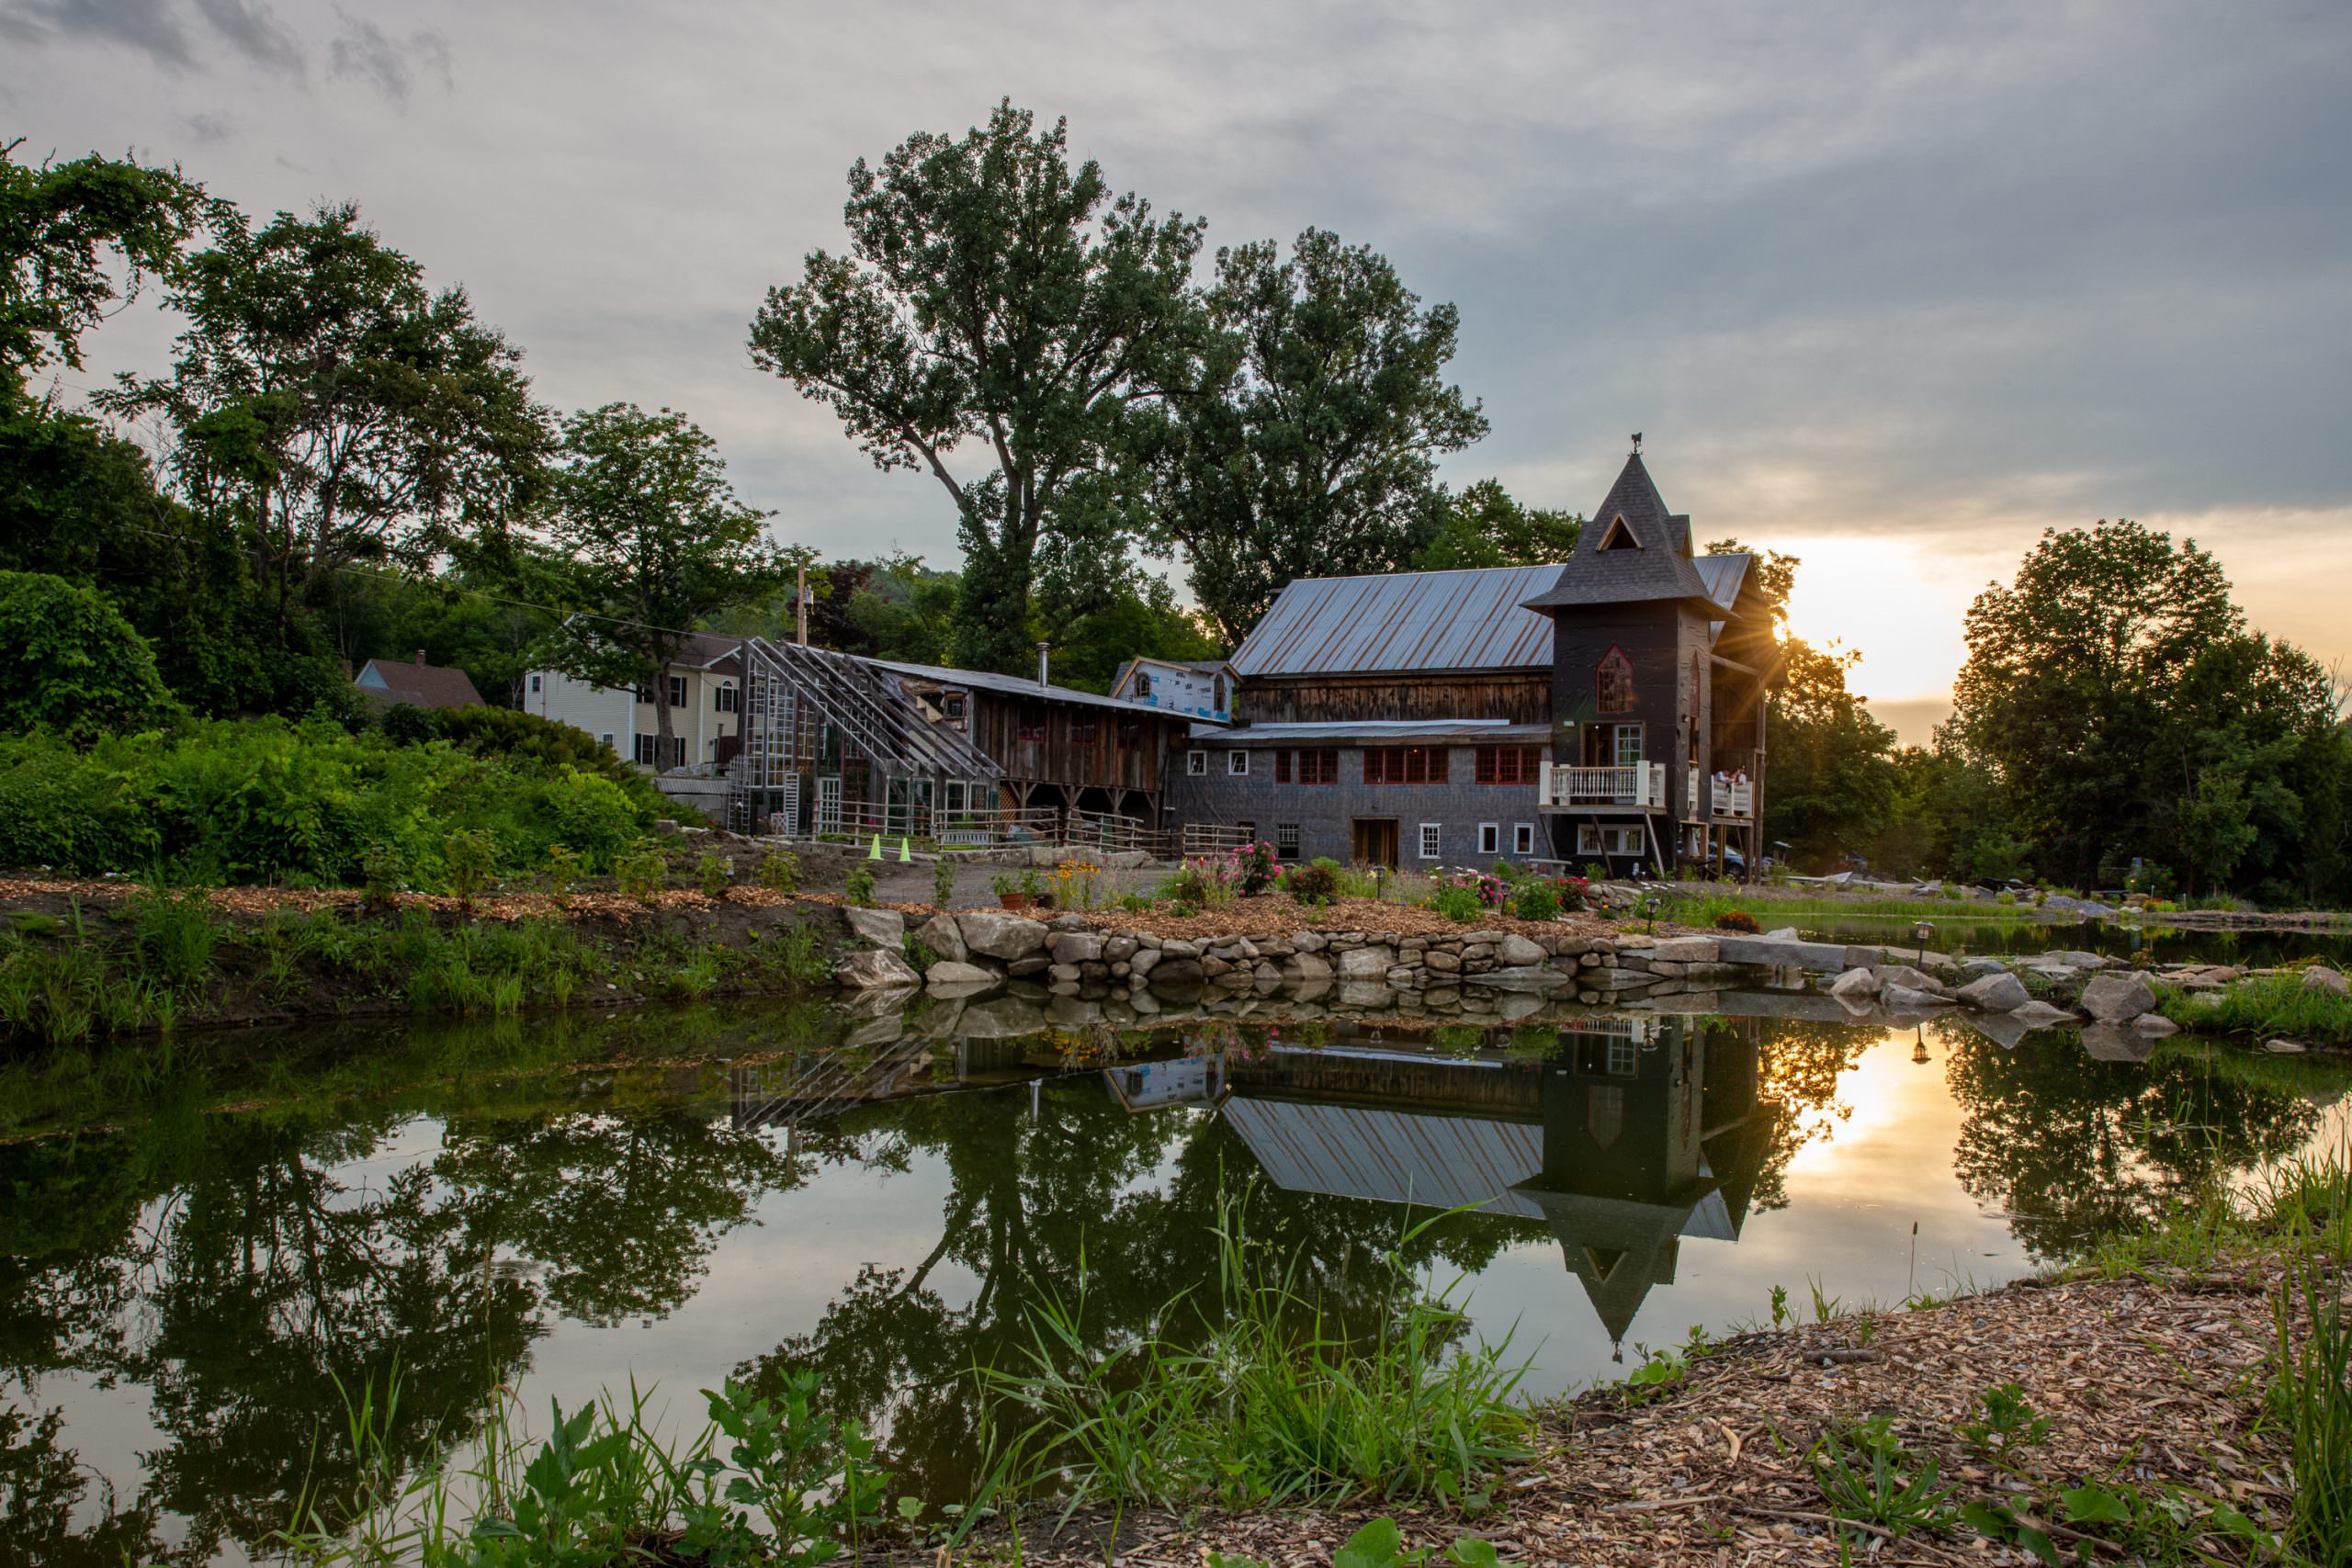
{"points": [[259, 901], [1279, 917], [2149, 1382]]}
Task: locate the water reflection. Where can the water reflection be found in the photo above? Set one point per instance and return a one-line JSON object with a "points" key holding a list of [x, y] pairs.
{"points": [[186, 1279]]}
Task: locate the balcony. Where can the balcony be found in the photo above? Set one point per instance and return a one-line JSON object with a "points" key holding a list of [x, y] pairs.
{"points": [[1634, 786], [1719, 796]]}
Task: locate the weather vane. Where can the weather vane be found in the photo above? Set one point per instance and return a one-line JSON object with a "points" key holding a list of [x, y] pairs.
{"points": [[1637, 444]]}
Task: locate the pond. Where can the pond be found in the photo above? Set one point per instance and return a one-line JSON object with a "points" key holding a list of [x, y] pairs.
{"points": [[200, 1243]]}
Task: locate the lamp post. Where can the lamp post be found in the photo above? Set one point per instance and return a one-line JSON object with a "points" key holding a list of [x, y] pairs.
{"points": [[1919, 1045], [1923, 931], [1649, 907]]}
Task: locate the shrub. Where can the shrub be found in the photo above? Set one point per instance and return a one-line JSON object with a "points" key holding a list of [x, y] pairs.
{"points": [[471, 856], [176, 933], [564, 870], [943, 882], [1315, 883], [716, 873], [1737, 920], [1253, 868], [859, 888], [70, 663], [780, 872], [642, 874], [1535, 901], [1457, 904]]}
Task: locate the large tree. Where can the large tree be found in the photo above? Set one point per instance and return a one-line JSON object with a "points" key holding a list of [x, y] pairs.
{"points": [[991, 294], [335, 407], [1316, 456], [1833, 782], [1483, 526], [657, 541]]}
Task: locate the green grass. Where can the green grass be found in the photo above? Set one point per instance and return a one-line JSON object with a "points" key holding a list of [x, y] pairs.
{"points": [[2263, 1007], [1257, 1396], [1699, 907]]}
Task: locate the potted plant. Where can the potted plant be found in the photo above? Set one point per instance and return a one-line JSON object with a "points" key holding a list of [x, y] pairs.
{"points": [[1008, 891], [1033, 888]]}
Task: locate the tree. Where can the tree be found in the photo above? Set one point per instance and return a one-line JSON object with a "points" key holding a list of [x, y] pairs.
{"points": [[641, 507], [1833, 784], [61, 224], [1316, 453], [335, 407], [1484, 527], [2070, 673], [70, 663], [990, 293]]}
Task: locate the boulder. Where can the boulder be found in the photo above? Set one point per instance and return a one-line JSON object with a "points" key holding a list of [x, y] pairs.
{"points": [[1145, 960], [999, 1018], [1517, 951], [1689, 950], [1914, 979], [2156, 1024], [999, 933], [1175, 974], [1520, 977], [2285, 1047], [1310, 966], [1438, 958], [1118, 949], [2075, 958], [883, 927], [2001, 1028], [1077, 947], [2319, 977], [1365, 963], [874, 968], [2117, 998], [1997, 992], [945, 938], [1907, 998], [954, 972], [1977, 968], [2111, 1043], [1777, 955], [1855, 983], [1942, 965]]}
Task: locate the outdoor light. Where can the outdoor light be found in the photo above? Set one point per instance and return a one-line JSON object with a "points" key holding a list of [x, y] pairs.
{"points": [[1919, 1045], [1923, 931], [1649, 906]]}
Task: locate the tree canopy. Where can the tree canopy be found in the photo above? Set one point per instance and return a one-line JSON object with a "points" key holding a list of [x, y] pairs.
{"points": [[1483, 526]]}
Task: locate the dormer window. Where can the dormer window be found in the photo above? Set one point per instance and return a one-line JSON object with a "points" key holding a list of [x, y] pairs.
{"points": [[1612, 683], [1619, 536]]}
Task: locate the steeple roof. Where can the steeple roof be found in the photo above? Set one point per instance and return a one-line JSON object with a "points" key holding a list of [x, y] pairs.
{"points": [[1633, 549]]}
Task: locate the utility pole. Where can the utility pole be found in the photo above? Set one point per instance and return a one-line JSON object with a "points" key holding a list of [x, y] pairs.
{"points": [[800, 603]]}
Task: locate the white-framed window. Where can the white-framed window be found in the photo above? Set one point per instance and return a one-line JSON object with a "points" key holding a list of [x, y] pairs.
{"points": [[1236, 763], [1195, 763], [645, 749], [1595, 840], [726, 698], [1491, 837], [1286, 841], [1431, 838], [606, 737], [677, 691], [1629, 744], [1522, 838], [535, 685]]}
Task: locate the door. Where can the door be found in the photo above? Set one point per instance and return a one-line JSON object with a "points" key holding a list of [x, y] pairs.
{"points": [[828, 803], [1375, 841]]}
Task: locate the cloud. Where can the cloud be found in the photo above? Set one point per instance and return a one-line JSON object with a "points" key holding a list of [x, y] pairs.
{"points": [[147, 26], [205, 128], [253, 30], [365, 51]]}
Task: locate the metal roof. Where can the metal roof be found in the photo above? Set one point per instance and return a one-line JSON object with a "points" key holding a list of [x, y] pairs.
{"points": [[1025, 686], [1654, 563], [1391, 1157], [1413, 620], [1487, 731], [1723, 575]]}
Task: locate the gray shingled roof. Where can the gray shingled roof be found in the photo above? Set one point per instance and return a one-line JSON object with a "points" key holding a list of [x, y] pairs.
{"points": [[1406, 620], [1025, 686], [1660, 569], [402, 682]]}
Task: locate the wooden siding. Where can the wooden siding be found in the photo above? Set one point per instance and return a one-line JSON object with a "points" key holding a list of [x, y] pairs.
{"points": [[1136, 761], [1515, 697]]}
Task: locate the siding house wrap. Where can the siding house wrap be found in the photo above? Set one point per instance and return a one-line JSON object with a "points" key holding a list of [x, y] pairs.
{"points": [[705, 706], [1608, 709]]}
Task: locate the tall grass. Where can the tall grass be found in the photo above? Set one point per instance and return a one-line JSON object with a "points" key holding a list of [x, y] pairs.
{"points": [[2311, 1391], [2266, 1005], [1699, 906], [1268, 1399]]}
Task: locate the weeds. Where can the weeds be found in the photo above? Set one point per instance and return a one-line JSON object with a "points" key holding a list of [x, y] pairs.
{"points": [[1867, 1474], [780, 872], [858, 888], [2010, 1424], [716, 873], [943, 882], [175, 934]]}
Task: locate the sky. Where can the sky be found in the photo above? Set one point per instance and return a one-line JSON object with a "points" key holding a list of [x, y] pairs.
{"points": [[1891, 289]]}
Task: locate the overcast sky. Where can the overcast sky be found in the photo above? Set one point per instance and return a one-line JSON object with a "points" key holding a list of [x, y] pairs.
{"points": [[1892, 288]]}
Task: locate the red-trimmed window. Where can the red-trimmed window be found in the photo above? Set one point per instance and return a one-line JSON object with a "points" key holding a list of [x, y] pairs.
{"points": [[1404, 764], [1508, 764], [1032, 724], [1314, 765], [1084, 731], [1612, 683]]}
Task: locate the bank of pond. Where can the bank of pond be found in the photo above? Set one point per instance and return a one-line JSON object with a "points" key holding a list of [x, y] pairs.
{"points": [[212, 1240]]}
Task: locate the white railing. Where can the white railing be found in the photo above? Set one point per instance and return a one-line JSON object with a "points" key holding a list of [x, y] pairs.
{"points": [[1211, 837], [1638, 784], [1732, 798]]}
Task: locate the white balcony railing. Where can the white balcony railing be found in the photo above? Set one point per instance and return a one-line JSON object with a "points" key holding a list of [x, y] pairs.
{"points": [[1641, 786], [1734, 798]]}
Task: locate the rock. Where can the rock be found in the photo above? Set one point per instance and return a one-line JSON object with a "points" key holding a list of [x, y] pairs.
{"points": [[1977, 968], [1942, 965], [1824, 956], [1068, 920], [945, 938], [998, 1018], [874, 968], [1857, 983], [2285, 1047], [1689, 950], [1077, 947], [2319, 977], [1997, 992], [1366, 994], [1521, 977], [2037, 1014], [2154, 1023], [2001, 1028], [2110, 1042], [1030, 964], [2117, 998], [1438, 959], [1173, 973], [1364, 963], [954, 972], [883, 927], [1065, 974], [1212, 966], [1310, 966], [2074, 958], [1118, 949], [1145, 960], [1307, 942], [1907, 998], [1517, 951], [999, 933], [1905, 976]]}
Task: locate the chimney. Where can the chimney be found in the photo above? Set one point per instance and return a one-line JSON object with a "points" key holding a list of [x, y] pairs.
{"points": [[1043, 650], [420, 655]]}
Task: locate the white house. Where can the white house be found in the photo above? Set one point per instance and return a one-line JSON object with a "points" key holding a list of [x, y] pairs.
{"points": [[705, 705], [1201, 688]]}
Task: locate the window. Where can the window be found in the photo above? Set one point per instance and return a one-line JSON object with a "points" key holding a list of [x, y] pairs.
{"points": [[607, 739], [1594, 840], [1628, 751], [644, 694], [1612, 683], [1085, 731], [952, 704], [951, 796], [1508, 764], [1286, 841], [1216, 697], [1491, 837], [1318, 765], [650, 752], [1197, 764], [645, 749], [1404, 764], [1032, 724], [1429, 835], [535, 685], [1522, 838], [677, 691], [1619, 536], [1131, 732], [1236, 764], [1143, 686], [726, 698]]}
